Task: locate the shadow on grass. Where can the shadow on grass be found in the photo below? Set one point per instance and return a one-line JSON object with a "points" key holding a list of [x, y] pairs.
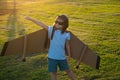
{"points": [[35, 68]]}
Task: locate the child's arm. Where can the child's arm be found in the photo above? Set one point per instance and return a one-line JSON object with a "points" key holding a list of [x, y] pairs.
{"points": [[37, 22], [68, 49]]}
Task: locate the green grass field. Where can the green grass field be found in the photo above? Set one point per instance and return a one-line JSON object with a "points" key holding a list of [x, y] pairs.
{"points": [[95, 22]]}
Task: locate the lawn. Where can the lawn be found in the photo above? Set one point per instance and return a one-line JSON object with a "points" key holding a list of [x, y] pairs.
{"points": [[95, 22]]}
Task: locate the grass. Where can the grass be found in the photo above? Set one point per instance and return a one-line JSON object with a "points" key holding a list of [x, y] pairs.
{"points": [[95, 22]]}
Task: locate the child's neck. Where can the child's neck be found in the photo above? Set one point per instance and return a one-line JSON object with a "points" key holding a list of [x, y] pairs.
{"points": [[58, 29]]}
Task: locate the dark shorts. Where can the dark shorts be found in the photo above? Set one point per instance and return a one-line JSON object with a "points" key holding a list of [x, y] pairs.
{"points": [[53, 64]]}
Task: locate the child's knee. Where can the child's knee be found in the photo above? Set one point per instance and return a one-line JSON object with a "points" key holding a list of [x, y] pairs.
{"points": [[53, 73], [68, 71]]}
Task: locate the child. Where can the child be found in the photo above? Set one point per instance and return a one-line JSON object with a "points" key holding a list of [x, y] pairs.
{"points": [[59, 39]]}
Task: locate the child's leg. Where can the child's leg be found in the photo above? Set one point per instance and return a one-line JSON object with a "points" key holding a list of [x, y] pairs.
{"points": [[70, 74], [52, 68], [53, 75]]}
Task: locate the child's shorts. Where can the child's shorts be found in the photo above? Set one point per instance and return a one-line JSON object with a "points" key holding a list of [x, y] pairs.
{"points": [[53, 64]]}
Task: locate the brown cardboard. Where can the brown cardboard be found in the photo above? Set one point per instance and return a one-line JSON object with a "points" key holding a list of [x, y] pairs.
{"points": [[82, 53], [38, 41]]}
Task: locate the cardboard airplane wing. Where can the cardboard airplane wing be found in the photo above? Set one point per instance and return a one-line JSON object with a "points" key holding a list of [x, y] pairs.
{"points": [[82, 53], [38, 41], [32, 43]]}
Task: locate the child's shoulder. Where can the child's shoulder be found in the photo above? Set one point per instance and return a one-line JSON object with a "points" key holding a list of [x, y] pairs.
{"points": [[67, 31]]}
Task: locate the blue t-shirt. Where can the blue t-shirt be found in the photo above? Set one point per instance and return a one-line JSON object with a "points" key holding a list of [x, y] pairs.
{"points": [[57, 44]]}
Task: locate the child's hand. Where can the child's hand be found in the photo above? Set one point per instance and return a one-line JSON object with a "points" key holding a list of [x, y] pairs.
{"points": [[27, 17], [69, 58]]}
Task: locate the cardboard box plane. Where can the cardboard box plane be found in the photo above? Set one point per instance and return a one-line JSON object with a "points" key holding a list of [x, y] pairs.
{"points": [[38, 41]]}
